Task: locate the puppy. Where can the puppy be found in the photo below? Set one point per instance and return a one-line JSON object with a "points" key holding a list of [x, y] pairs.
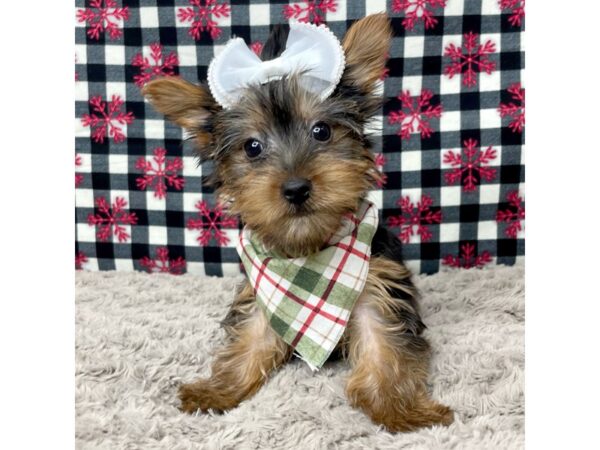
{"points": [[292, 165]]}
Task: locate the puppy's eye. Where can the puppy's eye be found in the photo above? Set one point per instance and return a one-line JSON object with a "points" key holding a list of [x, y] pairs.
{"points": [[321, 131], [253, 148]]}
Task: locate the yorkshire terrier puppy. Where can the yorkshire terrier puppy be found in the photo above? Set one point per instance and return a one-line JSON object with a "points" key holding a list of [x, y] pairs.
{"points": [[291, 165]]}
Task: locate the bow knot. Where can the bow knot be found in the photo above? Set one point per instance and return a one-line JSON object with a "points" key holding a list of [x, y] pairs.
{"points": [[311, 51]]}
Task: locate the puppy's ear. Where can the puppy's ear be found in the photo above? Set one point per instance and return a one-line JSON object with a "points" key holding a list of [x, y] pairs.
{"points": [[366, 45], [275, 43], [188, 105]]}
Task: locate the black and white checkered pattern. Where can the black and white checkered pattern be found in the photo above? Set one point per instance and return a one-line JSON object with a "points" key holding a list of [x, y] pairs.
{"points": [[413, 167]]}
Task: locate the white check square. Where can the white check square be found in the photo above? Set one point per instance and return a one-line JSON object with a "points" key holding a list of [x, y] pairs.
{"points": [[410, 161], [260, 14], [148, 16], [114, 55], [450, 121], [118, 164], [414, 46], [154, 129], [449, 232], [157, 235], [487, 229]]}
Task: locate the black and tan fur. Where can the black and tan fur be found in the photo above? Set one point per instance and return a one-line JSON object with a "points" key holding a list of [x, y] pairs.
{"points": [[383, 341]]}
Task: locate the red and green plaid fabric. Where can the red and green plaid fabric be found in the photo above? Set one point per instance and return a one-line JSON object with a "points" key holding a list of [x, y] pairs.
{"points": [[308, 300]]}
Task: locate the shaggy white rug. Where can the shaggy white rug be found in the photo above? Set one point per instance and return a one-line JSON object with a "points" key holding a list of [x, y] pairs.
{"points": [[139, 336]]}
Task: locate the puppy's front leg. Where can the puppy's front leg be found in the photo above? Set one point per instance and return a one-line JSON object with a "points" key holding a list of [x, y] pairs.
{"points": [[242, 366], [389, 359]]}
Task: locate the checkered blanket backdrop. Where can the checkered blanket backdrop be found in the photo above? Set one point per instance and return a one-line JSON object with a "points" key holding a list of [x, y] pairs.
{"points": [[449, 137]]}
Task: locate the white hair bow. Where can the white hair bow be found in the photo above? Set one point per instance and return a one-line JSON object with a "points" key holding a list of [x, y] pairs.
{"points": [[313, 51]]}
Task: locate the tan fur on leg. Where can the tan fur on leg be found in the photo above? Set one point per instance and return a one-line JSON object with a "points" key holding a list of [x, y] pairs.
{"points": [[243, 365], [390, 364]]}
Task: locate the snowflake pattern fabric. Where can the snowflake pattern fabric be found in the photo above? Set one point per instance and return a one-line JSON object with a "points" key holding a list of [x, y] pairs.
{"points": [[203, 16], [78, 176], [515, 109], [103, 16], [80, 260], [470, 167], [447, 142], [513, 215], [470, 59], [107, 119], [112, 220], [516, 8], [313, 11], [155, 65], [160, 173], [162, 263], [211, 223], [467, 259], [415, 119], [414, 220], [418, 10]]}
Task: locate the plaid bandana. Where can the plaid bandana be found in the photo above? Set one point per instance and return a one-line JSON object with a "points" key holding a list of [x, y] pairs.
{"points": [[308, 300]]}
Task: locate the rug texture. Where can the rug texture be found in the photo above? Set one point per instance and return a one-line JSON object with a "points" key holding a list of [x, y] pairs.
{"points": [[139, 336]]}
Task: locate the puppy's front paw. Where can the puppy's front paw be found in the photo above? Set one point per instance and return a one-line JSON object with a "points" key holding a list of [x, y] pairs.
{"points": [[423, 416], [202, 395]]}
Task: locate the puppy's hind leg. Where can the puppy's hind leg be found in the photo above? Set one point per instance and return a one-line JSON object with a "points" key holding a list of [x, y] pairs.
{"points": [[242, 366]]}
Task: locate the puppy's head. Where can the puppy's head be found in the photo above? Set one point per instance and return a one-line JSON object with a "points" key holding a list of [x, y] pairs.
{"points": [[290, 164]]}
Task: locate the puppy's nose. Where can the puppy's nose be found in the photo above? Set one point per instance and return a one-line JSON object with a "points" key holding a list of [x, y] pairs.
{"points": [[296, 190]]}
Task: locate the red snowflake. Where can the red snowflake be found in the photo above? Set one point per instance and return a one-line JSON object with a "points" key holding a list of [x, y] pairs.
{"points": [[103, 119], [413, 121], [418, 10], [257, 47], [467, 259], [103, 15], [386, 71], [162, 263], [78, 176], [210, 224], [418, 217], [156, 174], [513, 215], [80, 260], [379, 163], [475, 59], [517, 10], [313, 11], [111, 218], [469, 165], [155, 66], [201, 15], [516, 111]]}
